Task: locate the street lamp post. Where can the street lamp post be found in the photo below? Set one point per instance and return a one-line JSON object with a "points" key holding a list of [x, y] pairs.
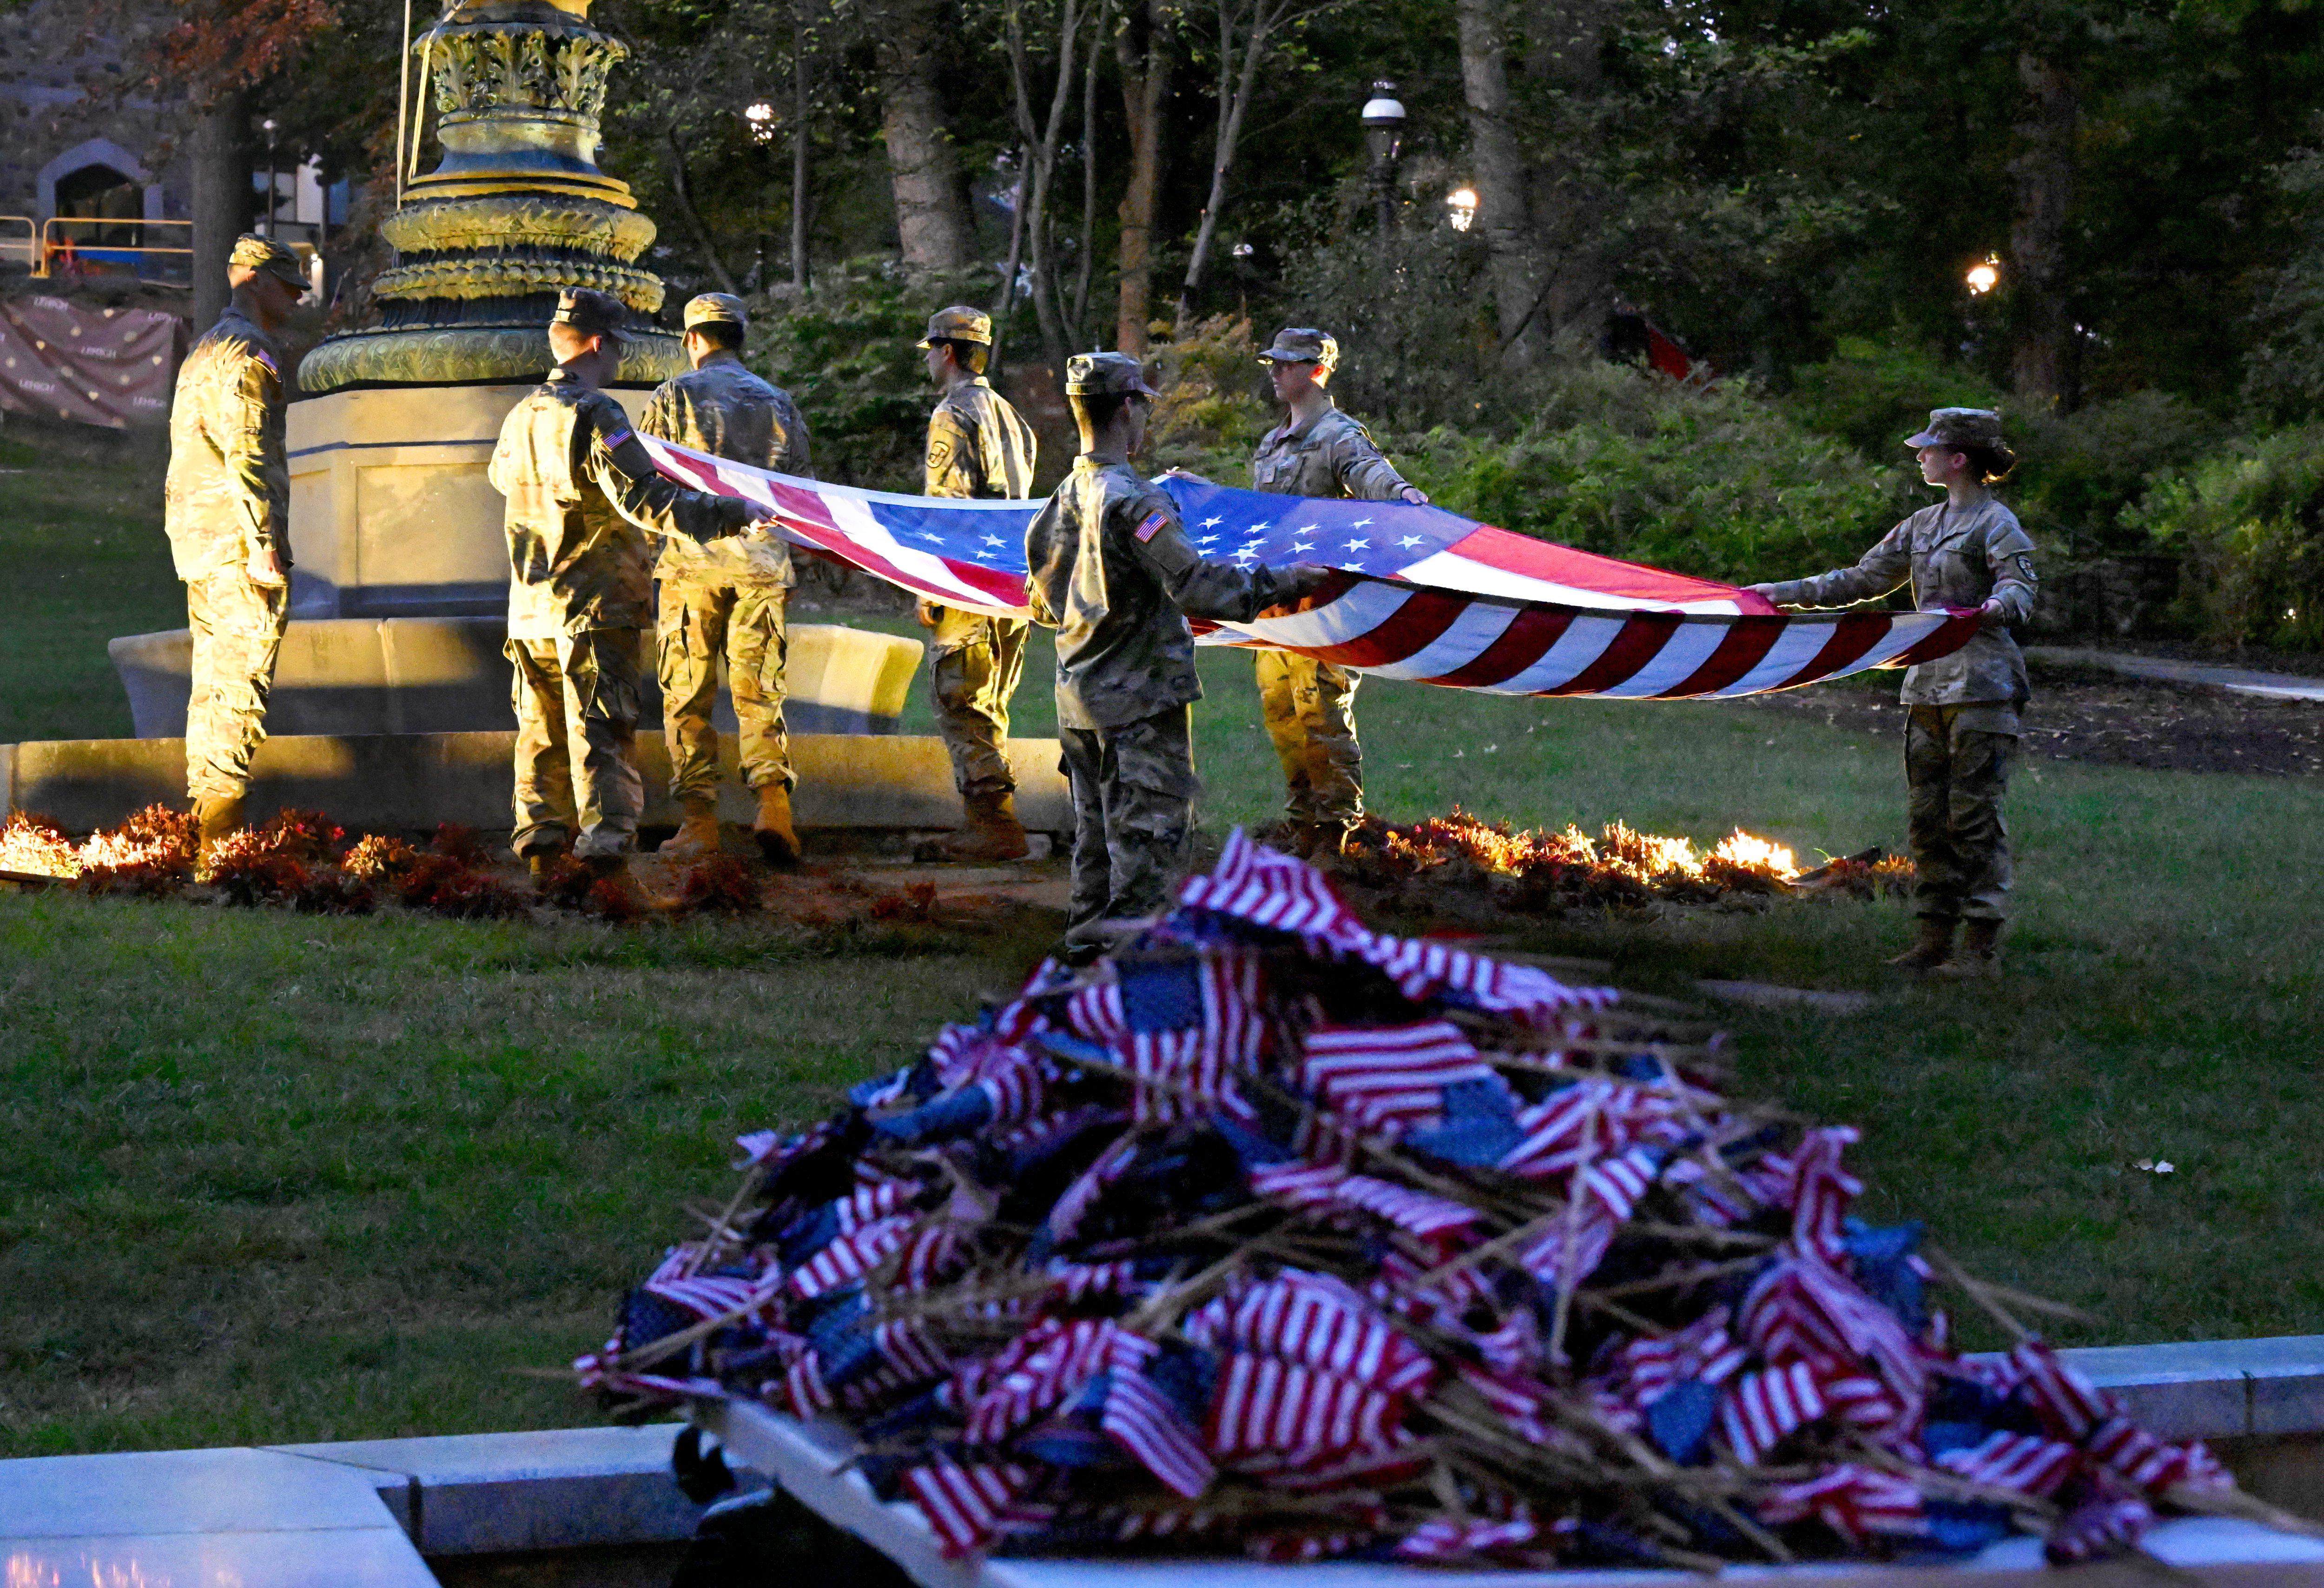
{"points": [[1384, 138], [271, 199]]}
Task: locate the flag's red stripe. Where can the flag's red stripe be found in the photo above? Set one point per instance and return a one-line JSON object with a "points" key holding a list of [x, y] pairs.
{"points": [[1851, 637], [1419, 623], [1524, 643], [1944, 639], [1642, 637], [1746, 643]]}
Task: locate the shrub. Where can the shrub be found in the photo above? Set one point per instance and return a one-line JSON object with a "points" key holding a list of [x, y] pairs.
{"points": [[1715, 483], [1872, 396], [2249, 523], [1214, 406]]}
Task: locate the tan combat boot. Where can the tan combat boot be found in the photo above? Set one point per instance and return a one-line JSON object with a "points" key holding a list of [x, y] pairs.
{"points": [[1931, 948], [778, 839], [993, 831], [698, 834], [215, 817], [1979, 955]]}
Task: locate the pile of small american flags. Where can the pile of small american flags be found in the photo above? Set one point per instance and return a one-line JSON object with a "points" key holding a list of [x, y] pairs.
{"points": [[1268, 1233]]}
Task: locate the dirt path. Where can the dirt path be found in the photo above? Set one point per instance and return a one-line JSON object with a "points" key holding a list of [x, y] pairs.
{"points": [[2087, 714]]}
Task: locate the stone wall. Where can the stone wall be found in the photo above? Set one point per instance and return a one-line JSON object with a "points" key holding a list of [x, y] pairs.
{"points": [[68, 100]]}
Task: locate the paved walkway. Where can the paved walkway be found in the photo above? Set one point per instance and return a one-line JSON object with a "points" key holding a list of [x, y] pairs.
{"points": [[2242, 681]]}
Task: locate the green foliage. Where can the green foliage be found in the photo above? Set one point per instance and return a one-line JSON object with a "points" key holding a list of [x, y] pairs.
{"points": [[2080, 473], [2285, 374], [848, 355], [2249, 523], [1872, 394], [1715, 483], [1214, 405]]}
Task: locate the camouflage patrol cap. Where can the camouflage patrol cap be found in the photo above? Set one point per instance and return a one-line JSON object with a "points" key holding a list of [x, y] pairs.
{"points": [[1106, 374], [959, 323], [265, 256], [714, 308], [1961, 427], [589, 311], [1303, 345]]}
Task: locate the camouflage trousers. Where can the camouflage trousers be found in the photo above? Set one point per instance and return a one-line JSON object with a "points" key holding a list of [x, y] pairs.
{"points": [[976, 664], [1310, 708], [702, 621], [577, 728], [237, 628], [1955, 777], [1133, 789]]}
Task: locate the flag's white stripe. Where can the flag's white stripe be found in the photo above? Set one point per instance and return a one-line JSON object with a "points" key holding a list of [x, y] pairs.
{"points": [[1585, 640], [1471, 636], [1449, 570], [1352, 616], [1793, 649], [855, 521], [1686, 650], [1905, 631]]}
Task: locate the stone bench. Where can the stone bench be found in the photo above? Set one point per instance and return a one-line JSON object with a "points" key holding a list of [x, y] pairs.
{"points": [[447, 675]]}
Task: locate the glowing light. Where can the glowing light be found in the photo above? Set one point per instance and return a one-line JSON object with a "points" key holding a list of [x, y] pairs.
{"points": [[762, 117], [1984, 276], [1620, 850], [1462, 202]]}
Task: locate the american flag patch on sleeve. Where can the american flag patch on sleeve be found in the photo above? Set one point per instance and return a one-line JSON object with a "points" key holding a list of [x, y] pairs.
{"points": [[266, 359], [1151, 523], [617, 438]]}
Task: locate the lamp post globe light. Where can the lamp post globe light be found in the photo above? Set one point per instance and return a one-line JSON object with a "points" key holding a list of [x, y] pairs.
{"points": [[273, 198], [1383, 118]]}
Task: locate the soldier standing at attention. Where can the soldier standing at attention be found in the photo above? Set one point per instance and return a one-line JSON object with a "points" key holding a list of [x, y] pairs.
{"points": [[227, 508], [1960, 738], [726, 597], [582, 493], [1309, 706], [978, 446], [1111, 570]]}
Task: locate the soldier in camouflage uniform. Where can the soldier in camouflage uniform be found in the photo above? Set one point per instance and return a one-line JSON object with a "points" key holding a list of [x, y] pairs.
{"points": [[978, 446], [1113, 573], [227, 508], [582, 493], [1309, 706], [726, 597], [1961, 740]]}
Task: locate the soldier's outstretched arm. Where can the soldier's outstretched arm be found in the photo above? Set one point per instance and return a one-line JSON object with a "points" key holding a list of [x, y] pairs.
{"points": [[1364, 471], [242, 445], [2009, 558], [1197, 588], [618, 462], [1878, 571]]}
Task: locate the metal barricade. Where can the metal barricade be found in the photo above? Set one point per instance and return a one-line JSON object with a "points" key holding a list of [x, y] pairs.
{"points": [[23, 250], [156, 251]]}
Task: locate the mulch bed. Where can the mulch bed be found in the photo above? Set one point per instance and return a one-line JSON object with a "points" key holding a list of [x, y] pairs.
{"points": [[2082, 714]]}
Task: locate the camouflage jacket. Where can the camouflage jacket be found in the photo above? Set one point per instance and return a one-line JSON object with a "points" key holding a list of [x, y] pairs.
{"points": [[978, 445], [1953, 558], [1113, 573], [228, 492], [1333, 456], [581, 495], [724, 410]]}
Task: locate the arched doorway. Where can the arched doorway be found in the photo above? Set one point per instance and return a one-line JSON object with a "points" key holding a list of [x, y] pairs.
{"points": [[99, 192]]}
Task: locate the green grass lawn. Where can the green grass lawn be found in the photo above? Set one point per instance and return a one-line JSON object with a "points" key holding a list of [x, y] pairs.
{"points": [[278, 1177]]}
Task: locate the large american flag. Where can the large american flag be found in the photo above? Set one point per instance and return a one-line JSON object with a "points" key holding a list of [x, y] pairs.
{"points": [[1419, 593]]}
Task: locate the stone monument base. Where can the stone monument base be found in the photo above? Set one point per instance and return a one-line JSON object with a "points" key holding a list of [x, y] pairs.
{"points": [[429, 675], [391, 511], [409, 782]]}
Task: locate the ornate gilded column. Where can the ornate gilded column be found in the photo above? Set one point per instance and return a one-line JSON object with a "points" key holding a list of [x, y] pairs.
{"points": [[516, 210]]}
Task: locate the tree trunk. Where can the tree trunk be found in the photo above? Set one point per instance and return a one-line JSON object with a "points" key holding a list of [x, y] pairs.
{"points": [[2044, 177], [1006, 304], [681, 192], [801, 102], [1566, 203], [1086, 266], [1042, 140], [932, 215], [1142, 49], [1235, 91], [1501, 179], [220, 201]]}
